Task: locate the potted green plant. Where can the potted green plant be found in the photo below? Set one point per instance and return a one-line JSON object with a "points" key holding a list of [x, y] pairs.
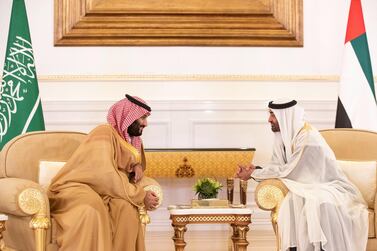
{"points": [[207, 188]]}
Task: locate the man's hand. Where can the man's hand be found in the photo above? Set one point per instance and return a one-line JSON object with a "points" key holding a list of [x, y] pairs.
{"points": [[138, 169], [150, 200], [244, 172]]}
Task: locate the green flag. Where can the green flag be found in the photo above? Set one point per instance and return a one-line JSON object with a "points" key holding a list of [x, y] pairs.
{"points": [[20, 103]]}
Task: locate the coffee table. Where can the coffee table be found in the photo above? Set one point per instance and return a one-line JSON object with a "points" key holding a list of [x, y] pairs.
{"points": [[238, 218]]}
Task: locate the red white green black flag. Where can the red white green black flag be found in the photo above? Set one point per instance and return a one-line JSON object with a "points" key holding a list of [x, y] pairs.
{"points": [[357, 106]]}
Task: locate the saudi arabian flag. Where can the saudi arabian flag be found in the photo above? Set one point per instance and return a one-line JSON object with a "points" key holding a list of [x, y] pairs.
{"points": [[357, 100], [20, 103]]}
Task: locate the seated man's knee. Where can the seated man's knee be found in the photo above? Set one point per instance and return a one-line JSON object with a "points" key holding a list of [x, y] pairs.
{"points": [[92, 205]]}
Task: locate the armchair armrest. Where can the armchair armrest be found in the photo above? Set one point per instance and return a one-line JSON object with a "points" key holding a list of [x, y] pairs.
{"points": [[14, 202], [22, 197], [270, 193]]}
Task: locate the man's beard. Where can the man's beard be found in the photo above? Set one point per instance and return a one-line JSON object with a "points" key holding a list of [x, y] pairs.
{"points": [[135, 129], [275, 128]]}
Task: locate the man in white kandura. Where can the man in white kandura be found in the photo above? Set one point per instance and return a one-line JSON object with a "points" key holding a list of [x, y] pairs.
{"points": [[323, 210]]}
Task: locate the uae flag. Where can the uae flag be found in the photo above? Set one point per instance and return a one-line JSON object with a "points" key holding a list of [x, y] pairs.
{"points": [[357, 106]]}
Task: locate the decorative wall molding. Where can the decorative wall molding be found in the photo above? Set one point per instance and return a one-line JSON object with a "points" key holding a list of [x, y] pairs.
{"points": [[183, 105], [194, 124], [187, 77], [94, 112]]}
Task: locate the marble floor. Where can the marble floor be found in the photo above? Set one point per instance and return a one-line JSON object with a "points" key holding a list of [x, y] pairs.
{"points": [[260, 240]]}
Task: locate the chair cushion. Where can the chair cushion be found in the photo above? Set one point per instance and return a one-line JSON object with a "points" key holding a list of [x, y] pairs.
{"points": [[363, 175], [47, 171]]}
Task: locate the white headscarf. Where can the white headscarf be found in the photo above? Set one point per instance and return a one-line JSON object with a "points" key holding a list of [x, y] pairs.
{"points": [[291, 121]]}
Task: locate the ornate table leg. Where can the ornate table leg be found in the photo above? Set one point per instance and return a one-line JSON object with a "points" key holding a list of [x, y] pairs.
{"points": [[2, 228], [178, 238], [235, 236], [239, 237]]}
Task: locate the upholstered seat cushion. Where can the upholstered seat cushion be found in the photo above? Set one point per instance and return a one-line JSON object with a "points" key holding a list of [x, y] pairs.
{"points": [[363, 175], [47, 171]]}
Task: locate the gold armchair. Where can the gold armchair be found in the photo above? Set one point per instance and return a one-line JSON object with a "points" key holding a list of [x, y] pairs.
{"points": [[29, 226], [347, 144]]}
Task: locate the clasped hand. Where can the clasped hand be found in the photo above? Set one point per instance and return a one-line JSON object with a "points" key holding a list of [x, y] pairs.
{"points": [[150, 200], [244, 172]]}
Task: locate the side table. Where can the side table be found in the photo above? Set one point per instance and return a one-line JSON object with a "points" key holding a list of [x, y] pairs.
{"points": [[238, 218], [3, 219]]}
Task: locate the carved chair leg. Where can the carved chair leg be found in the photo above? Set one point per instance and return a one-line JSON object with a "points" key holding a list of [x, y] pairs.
{"points": [[274, 215], [34, 202], [40, 239], [40, 226]]}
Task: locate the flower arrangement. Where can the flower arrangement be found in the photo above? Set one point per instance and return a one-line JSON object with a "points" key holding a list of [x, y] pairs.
{"points": [[207, 188]]}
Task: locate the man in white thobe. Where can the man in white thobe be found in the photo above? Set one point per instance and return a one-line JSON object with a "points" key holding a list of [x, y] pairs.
{"points": [[323, 210]]}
